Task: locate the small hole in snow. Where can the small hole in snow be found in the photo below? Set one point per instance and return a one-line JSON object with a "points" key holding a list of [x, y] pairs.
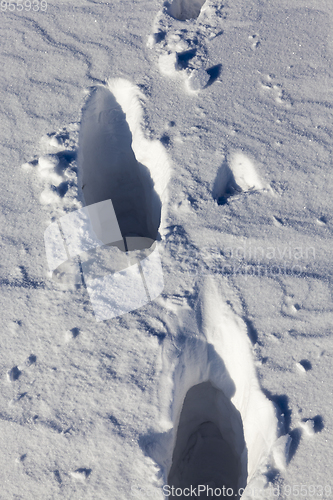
{"points": [[75, 332], [31, 359], [306, 364], [183, 58], [14, 374], [159, 36]]}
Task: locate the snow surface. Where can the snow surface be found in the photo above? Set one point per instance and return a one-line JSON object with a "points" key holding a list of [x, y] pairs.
{"points": [[209, 127]]}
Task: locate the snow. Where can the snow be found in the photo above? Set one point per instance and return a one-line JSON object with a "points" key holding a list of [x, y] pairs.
{"points": [[166, 271], [198, 80]]}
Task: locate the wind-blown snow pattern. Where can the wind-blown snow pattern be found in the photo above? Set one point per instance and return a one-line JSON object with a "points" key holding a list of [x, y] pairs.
{"points": [[217, 117]]}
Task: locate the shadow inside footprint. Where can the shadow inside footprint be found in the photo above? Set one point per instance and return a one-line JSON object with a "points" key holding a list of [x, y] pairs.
{"points": [[223, 427], [205, 452], [225, 184], [214, 72], [183, 58], [110, 169], [185, 9]]}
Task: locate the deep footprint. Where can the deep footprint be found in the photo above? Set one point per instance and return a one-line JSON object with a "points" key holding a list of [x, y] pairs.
{"points": [[223, 430], [185, 9], [110, 169], [202, 455]]}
